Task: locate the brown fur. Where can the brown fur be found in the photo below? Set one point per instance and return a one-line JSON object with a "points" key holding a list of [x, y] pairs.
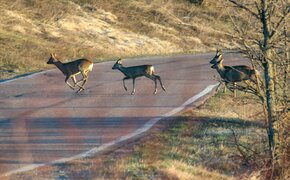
{"points": [[233, 74], [137, 71], [71, 69]]}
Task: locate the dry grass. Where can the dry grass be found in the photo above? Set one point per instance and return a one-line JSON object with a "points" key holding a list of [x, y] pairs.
{"points": [[102, 30]]}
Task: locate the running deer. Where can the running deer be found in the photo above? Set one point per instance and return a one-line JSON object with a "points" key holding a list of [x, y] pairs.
{"points": [[134, 72], [71, 69], [233, 74]]}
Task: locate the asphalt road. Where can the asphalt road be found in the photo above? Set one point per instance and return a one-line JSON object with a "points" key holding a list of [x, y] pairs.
{"points": [[43, 120]]}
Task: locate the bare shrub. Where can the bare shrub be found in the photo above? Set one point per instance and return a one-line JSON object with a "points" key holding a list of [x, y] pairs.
{"points": [[196, 2]]}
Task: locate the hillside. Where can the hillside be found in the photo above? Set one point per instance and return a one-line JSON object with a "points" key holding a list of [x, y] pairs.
{"points": [[100, 30]]}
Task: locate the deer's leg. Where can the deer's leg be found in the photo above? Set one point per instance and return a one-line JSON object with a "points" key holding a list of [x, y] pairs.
{"points": [[235, 90], [82, 86], [133, 91], [217, 88], [153, 78], [155, 82], [74, 80], [84, 74], [124, 85], [66, 81], [85, 79], [159, 79], [78, 82], [225, 87]]}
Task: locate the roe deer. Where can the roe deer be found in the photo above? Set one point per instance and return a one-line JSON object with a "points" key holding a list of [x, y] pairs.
{"points": [[137, 71], [71, 69], [233, 74]]}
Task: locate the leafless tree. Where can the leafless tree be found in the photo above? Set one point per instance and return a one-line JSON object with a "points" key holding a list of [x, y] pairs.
{"points": [[264, 39]]}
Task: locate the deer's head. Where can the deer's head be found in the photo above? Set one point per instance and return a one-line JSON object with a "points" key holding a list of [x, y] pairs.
{"points": [[118, 64], [218, 57], [52, 59], [216, 65]]}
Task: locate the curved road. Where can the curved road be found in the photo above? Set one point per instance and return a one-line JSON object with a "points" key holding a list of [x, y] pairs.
{"points": [[42, 120]]}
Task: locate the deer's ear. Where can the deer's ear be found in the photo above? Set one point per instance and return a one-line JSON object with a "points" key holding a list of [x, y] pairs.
{"points": [[53, 55], [119, 61]]}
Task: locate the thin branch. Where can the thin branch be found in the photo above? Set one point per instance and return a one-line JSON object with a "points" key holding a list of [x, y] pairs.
{"points": [[240, 5], [231, 17], [278, 25], [238, 146]]}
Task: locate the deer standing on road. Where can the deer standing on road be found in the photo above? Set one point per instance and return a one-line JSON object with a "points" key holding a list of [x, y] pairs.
{"points": [[134, 72], [233, 74], [71, 69]]}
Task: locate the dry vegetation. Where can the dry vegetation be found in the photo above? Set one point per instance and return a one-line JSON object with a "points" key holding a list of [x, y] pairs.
{"points": [[210, 142], [100, 30], [224, 139]]}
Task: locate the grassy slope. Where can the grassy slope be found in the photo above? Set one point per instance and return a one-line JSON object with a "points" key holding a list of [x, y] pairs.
{"points": [[99, 30], [199, 144]]}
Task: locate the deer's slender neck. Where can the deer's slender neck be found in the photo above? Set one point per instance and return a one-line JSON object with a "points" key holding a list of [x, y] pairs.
{"points": [[123, 70], [59, 65], [221, 69]]}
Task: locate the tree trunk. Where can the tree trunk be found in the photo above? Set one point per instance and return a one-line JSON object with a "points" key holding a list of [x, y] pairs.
{"points": [[269, 76], [269, 85]]}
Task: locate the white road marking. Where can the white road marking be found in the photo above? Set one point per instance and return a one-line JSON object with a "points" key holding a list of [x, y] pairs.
{"points": [[95, 150]]}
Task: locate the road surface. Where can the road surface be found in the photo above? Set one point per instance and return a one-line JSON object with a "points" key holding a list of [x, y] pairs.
{"points": [[42, 120]]}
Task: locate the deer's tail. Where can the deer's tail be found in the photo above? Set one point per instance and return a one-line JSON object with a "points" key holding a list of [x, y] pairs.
{"points": [[91, 67]]}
